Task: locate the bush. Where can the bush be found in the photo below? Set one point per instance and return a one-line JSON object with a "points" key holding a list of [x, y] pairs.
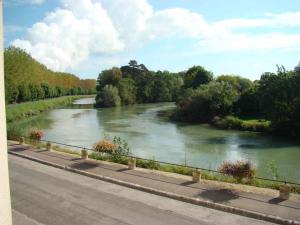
{"points": [[105, 146], [35, 134], [239, 169]]}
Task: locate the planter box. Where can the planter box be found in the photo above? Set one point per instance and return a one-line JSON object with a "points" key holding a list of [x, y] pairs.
{"points": [[48, 146], [22, 140], [284, 192], [196, 176], [131, 163], [84, 154]]}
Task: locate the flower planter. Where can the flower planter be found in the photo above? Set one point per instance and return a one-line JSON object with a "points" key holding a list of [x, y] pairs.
{"points": [[131, 163], [22, 140], [284, 192], [84, 154], [196, 176]]}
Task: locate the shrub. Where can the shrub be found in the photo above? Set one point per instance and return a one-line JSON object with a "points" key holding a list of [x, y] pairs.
{"points": [[240, 169], [35, 134], [105, 146]]}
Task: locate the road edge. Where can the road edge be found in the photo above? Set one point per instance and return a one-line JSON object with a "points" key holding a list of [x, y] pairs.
{"points": [[195, 201]]}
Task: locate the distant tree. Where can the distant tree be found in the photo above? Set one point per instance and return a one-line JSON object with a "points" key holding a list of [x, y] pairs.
{"points": [[206, 102], [127, 91], [297, 68], [111, 77], [108, 97], [196, 76], [240, 84]]}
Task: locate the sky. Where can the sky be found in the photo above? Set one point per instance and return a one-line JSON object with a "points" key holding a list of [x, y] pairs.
{"points": [[84, 37]]}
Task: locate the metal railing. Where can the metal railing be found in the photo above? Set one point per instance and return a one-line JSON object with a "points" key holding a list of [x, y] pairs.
{"points": [[166, 163]]}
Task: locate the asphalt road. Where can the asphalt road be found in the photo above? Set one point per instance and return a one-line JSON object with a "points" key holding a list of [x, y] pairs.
{"points": [[46, 195]]}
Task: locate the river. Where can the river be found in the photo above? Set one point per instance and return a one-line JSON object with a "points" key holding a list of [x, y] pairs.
{"points": [[154, 137]]}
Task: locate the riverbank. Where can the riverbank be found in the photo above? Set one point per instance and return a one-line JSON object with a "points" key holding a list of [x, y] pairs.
{"points": [[18, 112], [176, 169], [227, 123]]}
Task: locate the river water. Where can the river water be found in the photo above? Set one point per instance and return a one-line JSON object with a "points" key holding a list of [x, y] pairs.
{"points": [[155, 137]]}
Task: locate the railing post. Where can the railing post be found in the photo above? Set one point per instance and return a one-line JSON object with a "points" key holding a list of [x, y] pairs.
{"points": [[131, 163], [48, 146], [196, 175], [84, 154], [21, 140], [284, 191]]}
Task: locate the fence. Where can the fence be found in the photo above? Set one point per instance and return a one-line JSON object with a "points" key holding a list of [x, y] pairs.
{"points": [[168, 163]]}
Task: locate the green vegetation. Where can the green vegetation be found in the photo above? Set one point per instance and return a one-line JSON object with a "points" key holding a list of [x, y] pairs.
{"points": [[227, 99], [20, 111], [134, 83], [231, 122], [28, 80]]}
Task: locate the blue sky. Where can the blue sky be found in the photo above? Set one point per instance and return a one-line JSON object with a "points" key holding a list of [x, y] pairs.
{"points": [[227, 37]]}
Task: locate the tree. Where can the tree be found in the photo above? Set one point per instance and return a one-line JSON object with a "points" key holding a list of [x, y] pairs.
{"points": [[127, 90], [196, 76], [109, 77], [297, 68], [108, 97], [206, 102], [280, 100]]}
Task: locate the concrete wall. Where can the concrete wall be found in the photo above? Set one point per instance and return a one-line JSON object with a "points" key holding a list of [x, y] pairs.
{"points": [[5, 205]]}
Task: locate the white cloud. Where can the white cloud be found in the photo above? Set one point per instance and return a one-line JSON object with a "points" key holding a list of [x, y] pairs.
{"points": [[72, 33], [68, 36]]}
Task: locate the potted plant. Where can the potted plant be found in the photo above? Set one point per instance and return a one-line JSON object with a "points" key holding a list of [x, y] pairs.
{"points": [[105, 146], [196, 175], [239, 169], [284, 191], [35, 135]]}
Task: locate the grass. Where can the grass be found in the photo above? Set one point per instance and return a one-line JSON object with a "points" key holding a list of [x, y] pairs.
{"points": [[231, 122], [151, 164], [27, 109]]}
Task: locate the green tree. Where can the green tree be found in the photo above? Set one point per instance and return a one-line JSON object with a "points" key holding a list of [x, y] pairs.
{"points": [[127, 90], [108, 97], [196, 76], [206, 102]]}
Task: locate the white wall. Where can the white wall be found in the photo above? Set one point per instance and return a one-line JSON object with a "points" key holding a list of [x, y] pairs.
{"points": [[5, 205]]}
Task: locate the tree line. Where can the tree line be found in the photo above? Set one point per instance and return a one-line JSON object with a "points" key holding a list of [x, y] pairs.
{"points": [[134, 83], [200, 97], [274, 97], [28, 80]]}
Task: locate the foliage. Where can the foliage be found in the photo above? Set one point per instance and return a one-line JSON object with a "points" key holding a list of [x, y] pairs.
{"points": [[105, 146], [273, 170], [136, 84], [231, 122], [35, 134], [127, 91], [280, 101], [28, 80], [108, 97], [19, 111], [239, 169], [206, 102], [196, 76]]}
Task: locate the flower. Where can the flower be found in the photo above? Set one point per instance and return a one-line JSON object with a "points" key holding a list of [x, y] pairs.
{"points": [[35, 134], [105, 146]]}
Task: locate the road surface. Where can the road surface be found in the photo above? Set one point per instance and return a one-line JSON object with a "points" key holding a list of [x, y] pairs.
{"points": [[43, 195]]}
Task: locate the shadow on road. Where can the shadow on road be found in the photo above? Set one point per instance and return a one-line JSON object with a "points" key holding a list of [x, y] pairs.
{"points": [[84, 165], [221, 195]]}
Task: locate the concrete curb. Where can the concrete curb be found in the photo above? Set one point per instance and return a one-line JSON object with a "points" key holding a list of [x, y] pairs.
{"points": [[195, 201]]}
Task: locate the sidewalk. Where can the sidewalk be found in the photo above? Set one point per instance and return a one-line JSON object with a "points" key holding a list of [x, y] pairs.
{"points": [[179, 185]]}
